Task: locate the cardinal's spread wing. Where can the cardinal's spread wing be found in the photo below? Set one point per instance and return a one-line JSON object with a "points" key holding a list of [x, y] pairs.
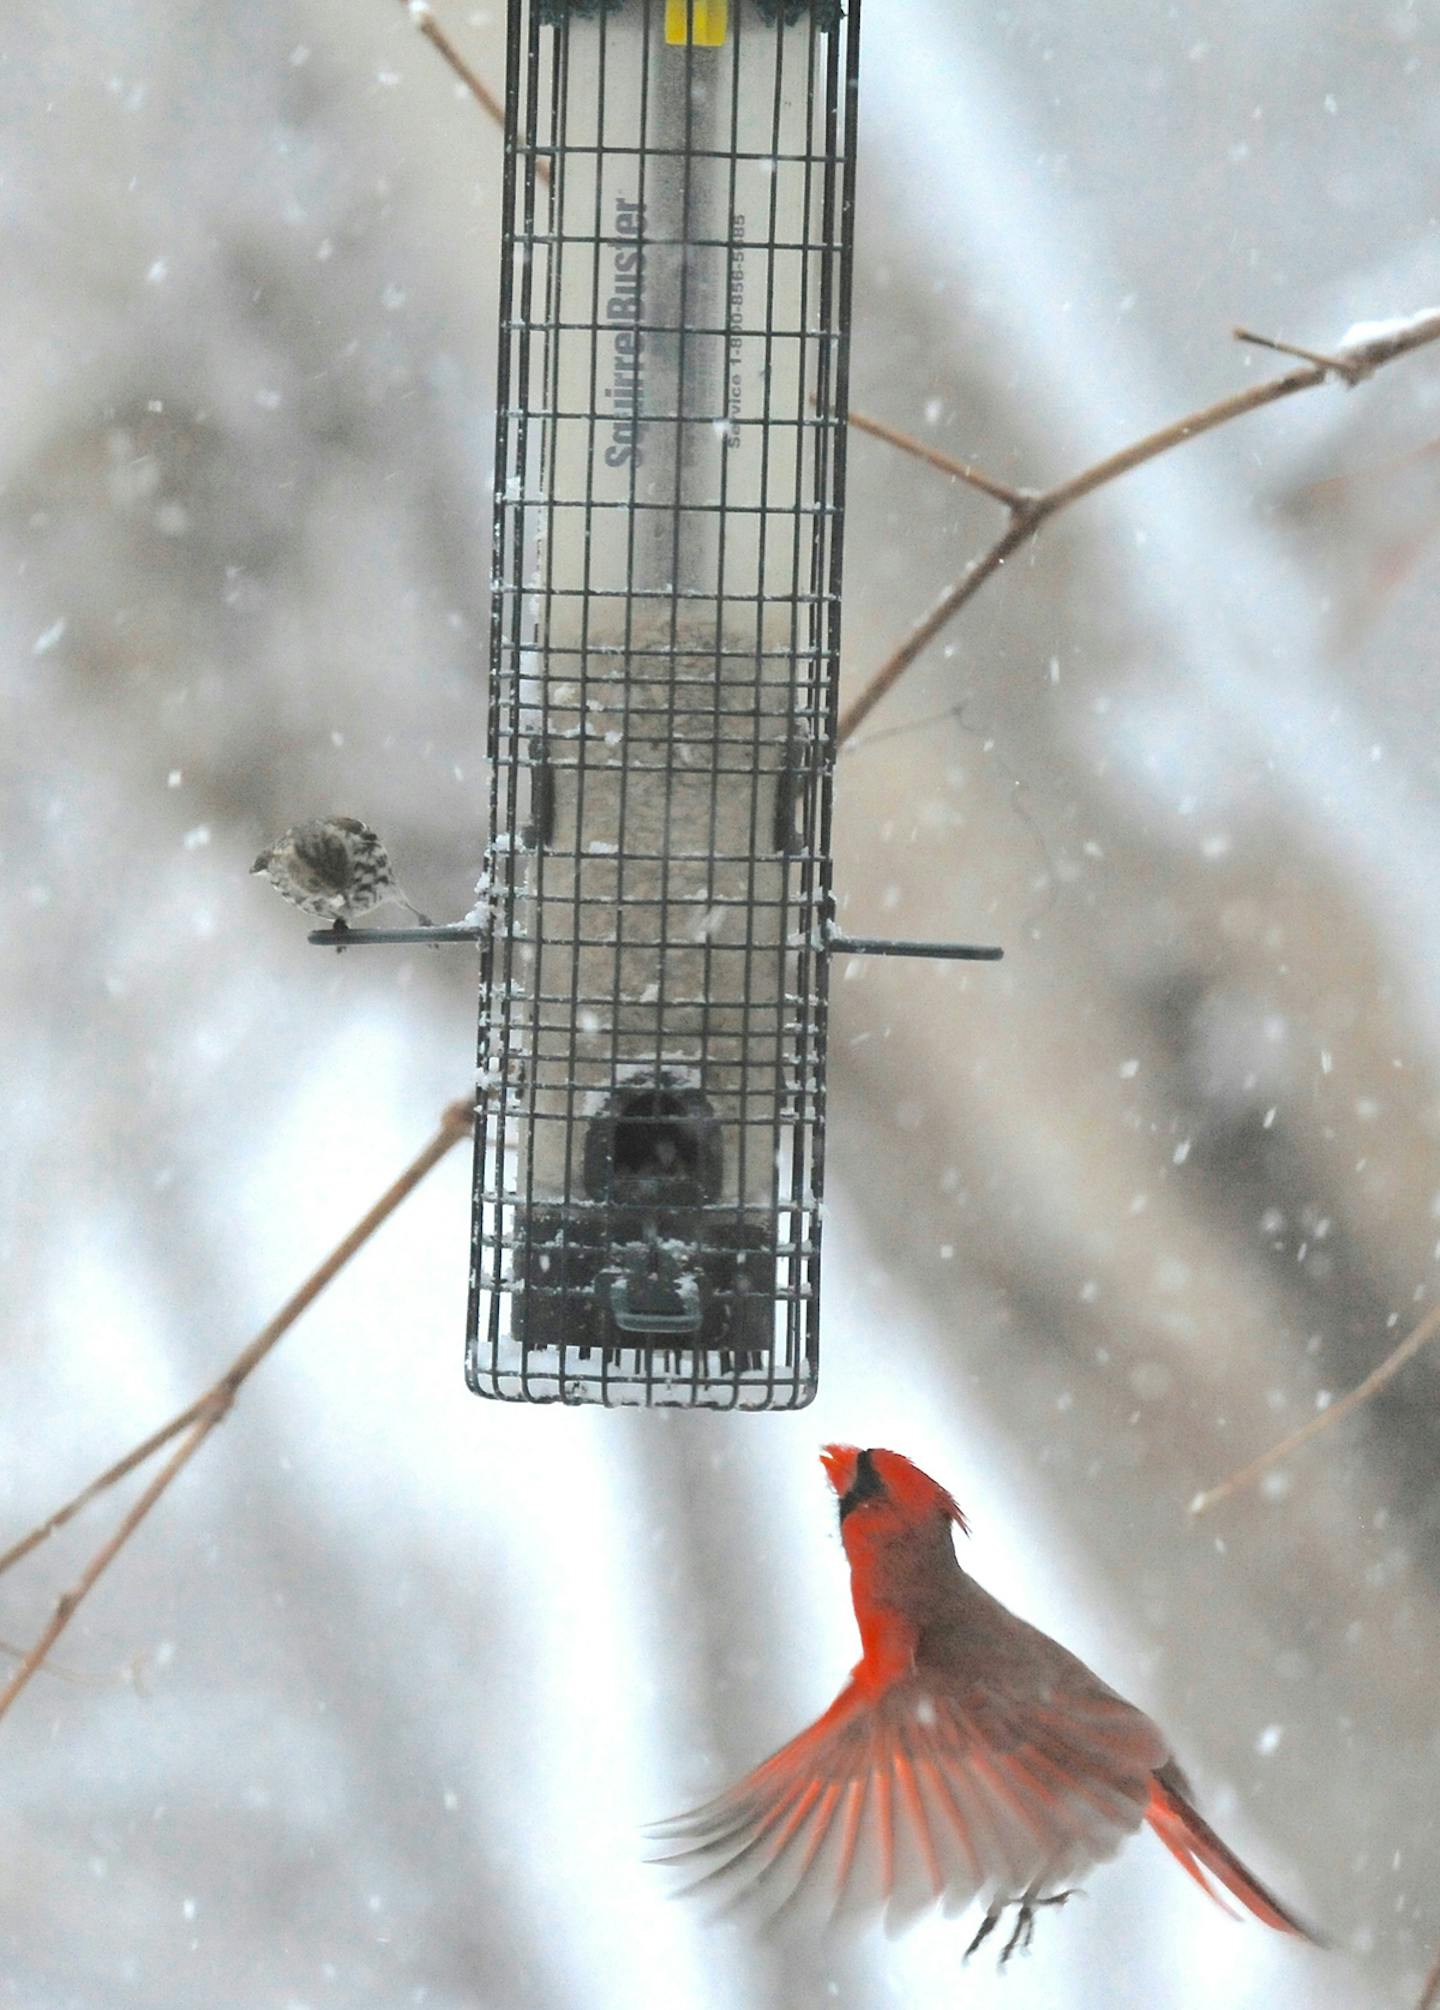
{"points": [[914, 1797]]}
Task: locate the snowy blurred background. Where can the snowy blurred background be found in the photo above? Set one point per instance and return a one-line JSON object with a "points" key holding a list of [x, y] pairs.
{"points": [[372, 1710]]}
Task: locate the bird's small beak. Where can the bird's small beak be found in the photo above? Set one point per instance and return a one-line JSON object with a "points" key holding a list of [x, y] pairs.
{"points": [[840, 1462]]}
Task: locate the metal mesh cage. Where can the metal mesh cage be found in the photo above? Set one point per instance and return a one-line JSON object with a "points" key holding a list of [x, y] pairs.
{"points": [[669, 480]]}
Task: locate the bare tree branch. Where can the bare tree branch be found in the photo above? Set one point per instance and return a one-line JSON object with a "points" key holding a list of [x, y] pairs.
{"points": [[65, 1607], [480, 91], [1339, 366], [202, 1416], [435, 35], [76, 1675], [135, 1457], [1358, 356], [1001, 492], [1388, 1369], [1354, 361]]}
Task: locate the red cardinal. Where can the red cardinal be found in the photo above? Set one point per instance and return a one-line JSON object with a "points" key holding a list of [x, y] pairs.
{"points": [[968, 1755]]}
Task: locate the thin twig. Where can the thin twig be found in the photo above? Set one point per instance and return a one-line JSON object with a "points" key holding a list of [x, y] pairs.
{"points": [[65, 1608], [454, 1125], [1001, 492], [1028, 510], [1388, 1369], [136, 1457], [1340, 365], [924, 632], [479, 90], [435, 35], [1430, 1993], [77, 1675], [202, 1416]]}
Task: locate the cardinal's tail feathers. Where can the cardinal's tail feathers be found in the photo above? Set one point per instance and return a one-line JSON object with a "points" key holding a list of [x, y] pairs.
{"points": [[1197, 1849]]}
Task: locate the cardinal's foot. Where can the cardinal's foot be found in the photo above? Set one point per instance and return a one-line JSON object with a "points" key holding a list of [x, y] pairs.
{"points": [[1024, 1929], [1020, 1939]]}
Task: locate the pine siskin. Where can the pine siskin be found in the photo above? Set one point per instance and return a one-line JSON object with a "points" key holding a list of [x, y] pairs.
{"points": [[335, 867]]}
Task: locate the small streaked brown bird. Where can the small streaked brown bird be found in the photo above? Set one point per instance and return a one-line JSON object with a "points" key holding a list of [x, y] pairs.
{"points": [[335, 867]]}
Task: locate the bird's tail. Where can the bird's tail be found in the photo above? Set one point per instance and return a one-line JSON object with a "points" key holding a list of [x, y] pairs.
{"points": [[1197, 1849]]}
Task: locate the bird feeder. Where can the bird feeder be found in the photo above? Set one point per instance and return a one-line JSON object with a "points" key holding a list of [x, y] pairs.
{"points": [[669, 495]]}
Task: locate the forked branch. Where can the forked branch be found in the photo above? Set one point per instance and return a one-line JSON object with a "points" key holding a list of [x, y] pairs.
{"points": [[1366, 349], [200, 1418]]}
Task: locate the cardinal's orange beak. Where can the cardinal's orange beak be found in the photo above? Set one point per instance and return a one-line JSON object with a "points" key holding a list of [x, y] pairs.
{"points": [[840, 1462]]}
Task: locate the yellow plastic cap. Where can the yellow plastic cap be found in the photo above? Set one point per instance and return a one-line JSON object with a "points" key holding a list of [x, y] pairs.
{"points": [[704, 23]]}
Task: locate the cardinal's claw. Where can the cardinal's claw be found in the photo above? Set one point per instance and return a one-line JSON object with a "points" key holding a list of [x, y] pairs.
{"points": [[987, 1926], [1020, 1939]]}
